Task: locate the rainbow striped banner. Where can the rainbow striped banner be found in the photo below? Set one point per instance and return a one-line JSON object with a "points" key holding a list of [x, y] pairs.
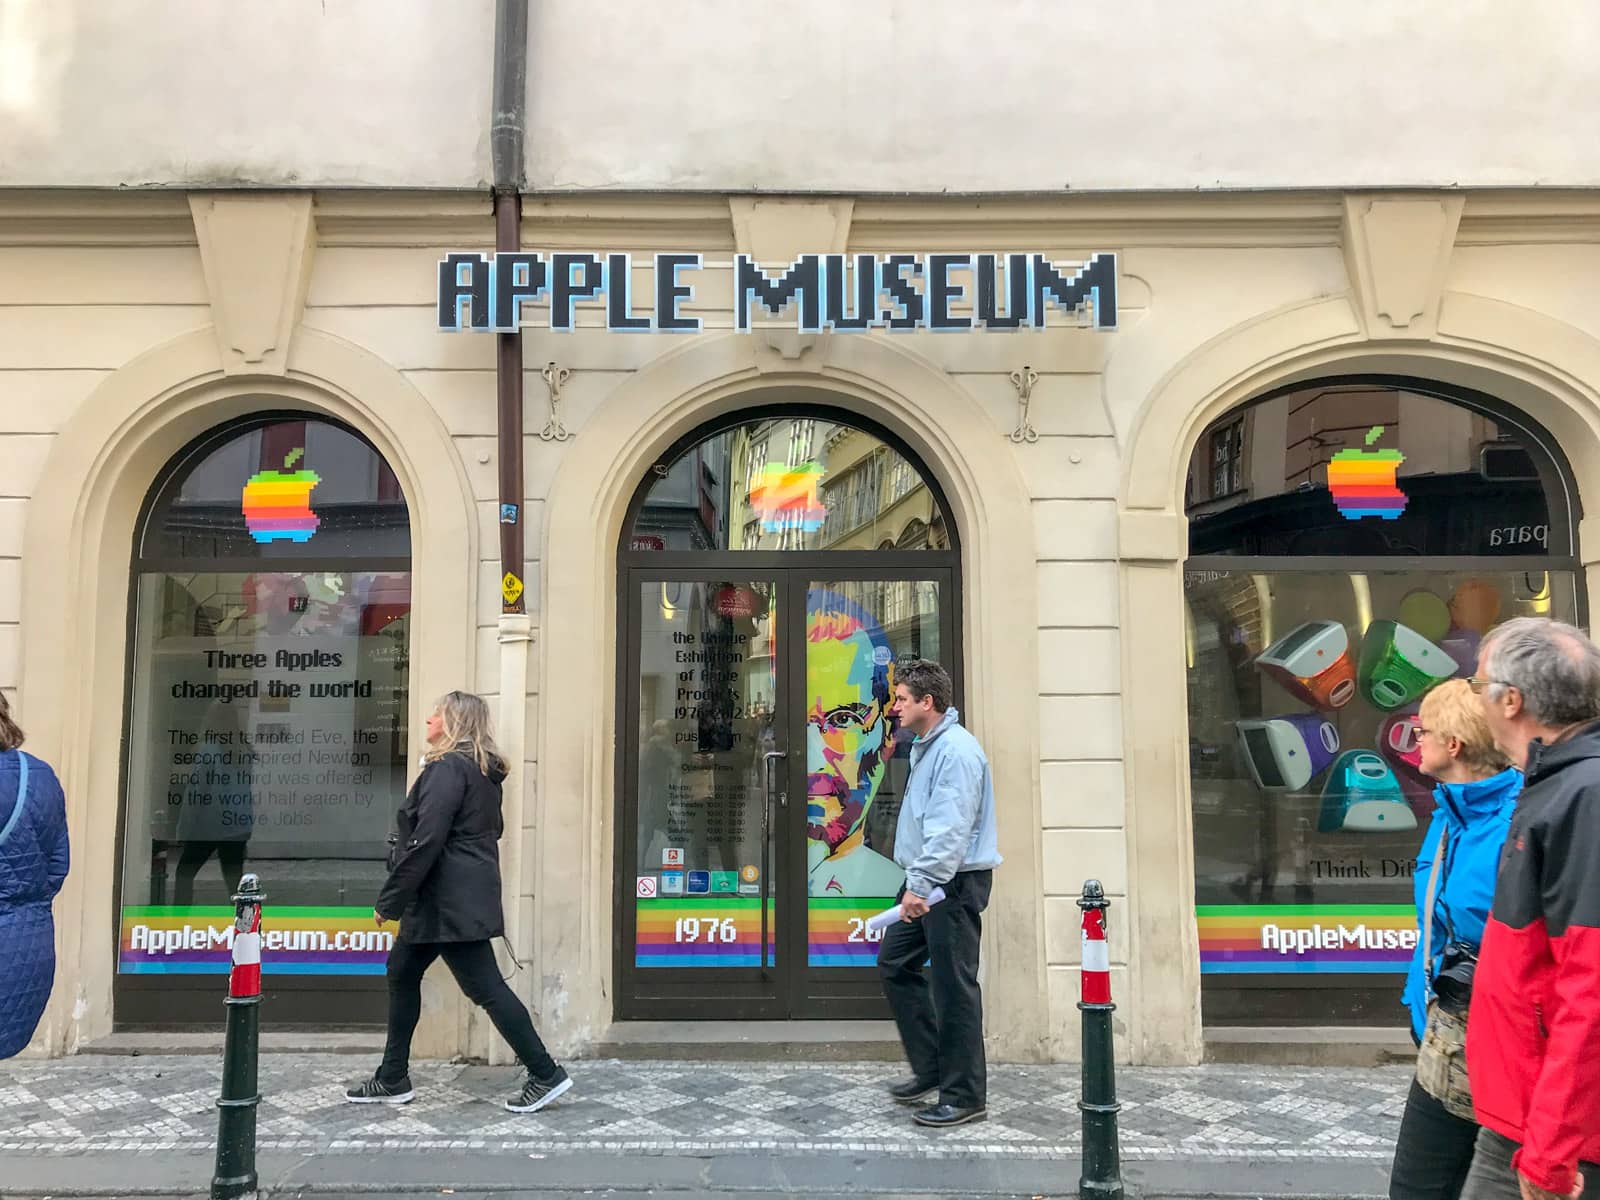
{"points": [[1306, 939], [198, 940], [837, 934], [703, 931]]}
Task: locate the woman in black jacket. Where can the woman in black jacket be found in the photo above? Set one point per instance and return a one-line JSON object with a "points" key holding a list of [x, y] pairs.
{"points": [[444, 886]]}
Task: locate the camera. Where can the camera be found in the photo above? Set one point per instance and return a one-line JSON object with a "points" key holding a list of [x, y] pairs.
{"points": [[1452, 983]]}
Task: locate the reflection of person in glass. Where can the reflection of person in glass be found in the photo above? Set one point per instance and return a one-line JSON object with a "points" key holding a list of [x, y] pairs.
{"points": [[216, 818], [660, 809], [849, 741]]}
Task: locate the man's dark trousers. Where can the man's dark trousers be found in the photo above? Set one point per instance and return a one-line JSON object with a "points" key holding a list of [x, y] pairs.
{"points": [[1492, 1176], [940, 1011]]}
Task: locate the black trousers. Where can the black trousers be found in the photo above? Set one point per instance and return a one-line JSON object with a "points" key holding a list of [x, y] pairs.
{"points": [[1434, 1150], [230, 857], [473, 965], [940, 1012], [1492, 1176]]}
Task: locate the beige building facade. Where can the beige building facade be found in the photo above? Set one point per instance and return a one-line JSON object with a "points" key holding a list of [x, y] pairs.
{"points": [[134, 324]]}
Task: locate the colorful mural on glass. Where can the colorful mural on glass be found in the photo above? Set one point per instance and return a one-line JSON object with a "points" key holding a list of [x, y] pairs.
{"points": [[849, 742]]}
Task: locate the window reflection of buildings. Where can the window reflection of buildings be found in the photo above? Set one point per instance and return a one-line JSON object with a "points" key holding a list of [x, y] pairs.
{"points": [[687, 507], [872, 497], [1257, 480], [1285, 445]]}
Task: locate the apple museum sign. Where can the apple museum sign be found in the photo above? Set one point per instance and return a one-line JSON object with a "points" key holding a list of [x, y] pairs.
{"points": [[845, 293]]}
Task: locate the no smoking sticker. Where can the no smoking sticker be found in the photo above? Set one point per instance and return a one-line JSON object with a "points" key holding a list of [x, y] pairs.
{"points": [[645, 887]]}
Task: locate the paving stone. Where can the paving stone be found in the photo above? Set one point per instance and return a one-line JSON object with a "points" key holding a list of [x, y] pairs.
{"points": [[167, 1104]]}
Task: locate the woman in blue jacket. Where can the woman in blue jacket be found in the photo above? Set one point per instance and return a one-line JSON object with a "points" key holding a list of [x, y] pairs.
{"points": [[1476, 793], [33, 865]]}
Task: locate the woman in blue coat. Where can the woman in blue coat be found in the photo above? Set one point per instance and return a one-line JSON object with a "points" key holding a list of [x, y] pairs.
{"points": [[1476, 793], [33, 865]]}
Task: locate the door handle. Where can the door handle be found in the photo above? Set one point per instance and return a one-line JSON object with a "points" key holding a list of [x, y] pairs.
{"points": [[783, 795], [766, 846]]}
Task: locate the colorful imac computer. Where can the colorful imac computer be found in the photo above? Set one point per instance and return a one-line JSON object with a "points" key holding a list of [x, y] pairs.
{"points": [[1287, 752], [1363, 796], [1312, 663], [1398, 741], [1398, 665]]}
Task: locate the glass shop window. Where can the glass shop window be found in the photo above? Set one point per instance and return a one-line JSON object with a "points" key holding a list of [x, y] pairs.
{"points": [[1310, 645], [269, 696]]}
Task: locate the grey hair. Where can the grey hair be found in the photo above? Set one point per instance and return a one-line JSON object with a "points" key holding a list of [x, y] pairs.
{"points": [[1553, 664]]}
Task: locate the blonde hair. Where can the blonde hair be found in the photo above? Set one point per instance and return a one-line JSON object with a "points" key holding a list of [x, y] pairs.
{"points": [[466, 731], [1451, 710], [11, 736]]}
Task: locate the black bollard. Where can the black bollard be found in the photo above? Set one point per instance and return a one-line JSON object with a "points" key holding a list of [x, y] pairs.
{"points": [[236, 1118], [1101, 1177]]}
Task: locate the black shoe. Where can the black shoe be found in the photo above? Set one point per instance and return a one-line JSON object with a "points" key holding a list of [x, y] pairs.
{"points": [[910, 1091], [536, 1093], [942, 1115], [375, 1091]]}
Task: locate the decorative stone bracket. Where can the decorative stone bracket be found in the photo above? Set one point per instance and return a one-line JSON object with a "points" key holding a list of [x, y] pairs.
{"points": [[555, 379], [1397, 250], [256, 251], [1023, 381]]}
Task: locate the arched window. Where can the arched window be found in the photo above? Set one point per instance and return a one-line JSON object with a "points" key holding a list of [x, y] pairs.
{"points": [[785, 482], [267, 725], [1351, 541]]}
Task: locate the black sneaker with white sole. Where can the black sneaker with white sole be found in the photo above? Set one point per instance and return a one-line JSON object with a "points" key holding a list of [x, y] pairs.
{"points": [[375, 1091], [536, 1093]]}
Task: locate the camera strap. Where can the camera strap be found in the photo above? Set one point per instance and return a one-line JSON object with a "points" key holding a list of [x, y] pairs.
{"points": [[1435, 875]]}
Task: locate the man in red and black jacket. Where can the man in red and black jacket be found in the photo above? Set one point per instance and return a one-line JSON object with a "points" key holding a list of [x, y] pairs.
{"points": [[1533, 1034]]}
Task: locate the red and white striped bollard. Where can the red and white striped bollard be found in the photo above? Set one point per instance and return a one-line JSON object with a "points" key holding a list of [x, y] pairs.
{"points": [[235, 1177], [1101, 1176]]}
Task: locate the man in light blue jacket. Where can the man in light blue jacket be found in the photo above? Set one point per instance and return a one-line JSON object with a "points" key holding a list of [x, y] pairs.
{"points": [[945, 838]]}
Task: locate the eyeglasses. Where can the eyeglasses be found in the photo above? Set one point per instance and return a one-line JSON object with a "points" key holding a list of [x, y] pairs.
{"points": [[1479, 682]]}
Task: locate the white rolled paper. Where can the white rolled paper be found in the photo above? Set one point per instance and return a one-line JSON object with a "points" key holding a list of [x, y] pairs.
{"points": [[893, 916]]}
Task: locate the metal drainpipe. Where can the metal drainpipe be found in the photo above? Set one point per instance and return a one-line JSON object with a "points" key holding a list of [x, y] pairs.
{"points": [[506, 149]]}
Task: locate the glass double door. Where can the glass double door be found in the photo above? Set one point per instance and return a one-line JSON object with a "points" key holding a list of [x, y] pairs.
{"points": [[760, 784]]}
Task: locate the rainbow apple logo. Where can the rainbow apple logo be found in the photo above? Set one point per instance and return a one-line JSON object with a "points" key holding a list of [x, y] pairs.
{"points": [[1363, 481], [277, 504], [786, 498]]}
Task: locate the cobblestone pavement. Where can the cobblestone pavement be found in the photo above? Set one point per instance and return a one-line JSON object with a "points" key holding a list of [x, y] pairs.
{"points": [[160, 1104]]}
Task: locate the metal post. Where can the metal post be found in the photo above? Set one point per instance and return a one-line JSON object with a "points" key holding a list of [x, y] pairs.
{"points": [[236, 1118], [1101, 1177]]}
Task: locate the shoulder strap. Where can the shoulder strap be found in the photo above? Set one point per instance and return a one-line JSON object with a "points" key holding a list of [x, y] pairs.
{"points": [[1434, 873], [22, 796]]}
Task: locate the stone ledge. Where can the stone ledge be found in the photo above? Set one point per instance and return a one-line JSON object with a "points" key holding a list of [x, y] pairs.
{"points": [[134, 1043], [1312, 1045]]}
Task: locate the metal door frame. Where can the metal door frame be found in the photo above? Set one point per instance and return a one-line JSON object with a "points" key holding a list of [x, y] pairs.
{"points": [[787, 988]]}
